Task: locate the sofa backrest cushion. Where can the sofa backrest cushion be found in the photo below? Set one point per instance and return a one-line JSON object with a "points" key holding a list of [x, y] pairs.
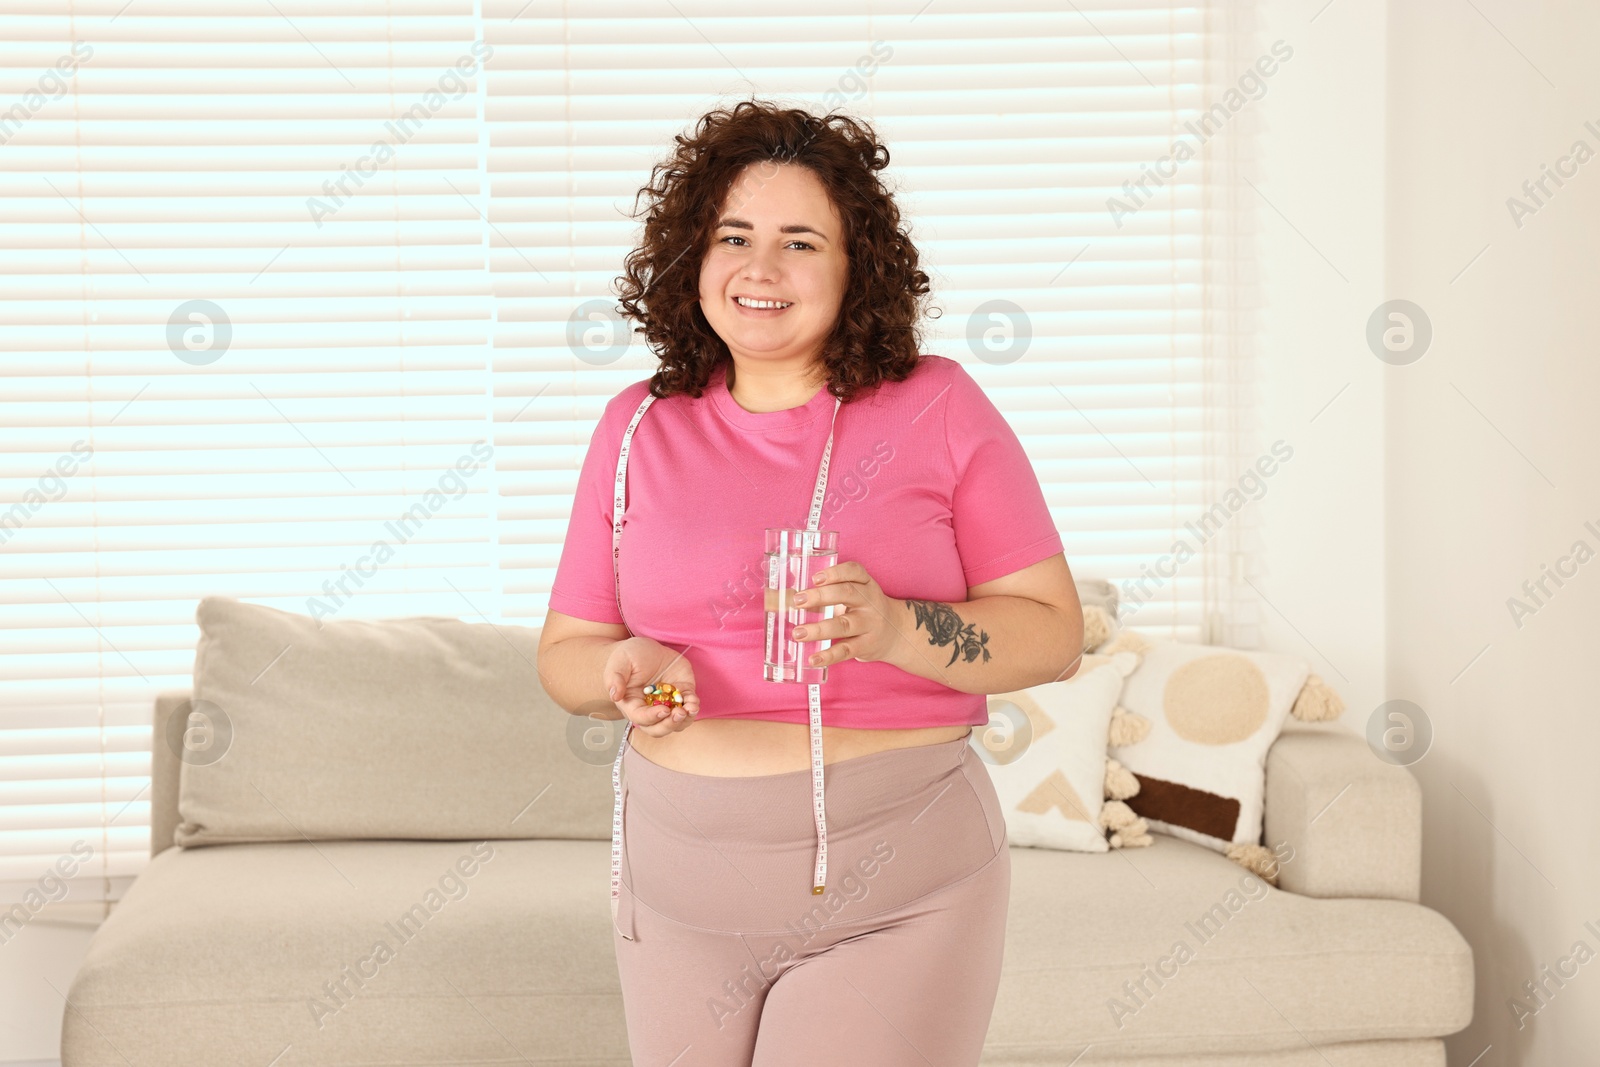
{"points": [[419, 727]]}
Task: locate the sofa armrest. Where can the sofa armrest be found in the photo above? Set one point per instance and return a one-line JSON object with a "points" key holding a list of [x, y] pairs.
{"points": [[1354, 821], [164, 768]]}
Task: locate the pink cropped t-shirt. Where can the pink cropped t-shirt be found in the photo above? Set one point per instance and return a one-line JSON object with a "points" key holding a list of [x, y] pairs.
{"points": [[928, 486]]}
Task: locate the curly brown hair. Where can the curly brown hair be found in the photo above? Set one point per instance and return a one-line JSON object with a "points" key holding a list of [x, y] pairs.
{"points": [[876, 339]]}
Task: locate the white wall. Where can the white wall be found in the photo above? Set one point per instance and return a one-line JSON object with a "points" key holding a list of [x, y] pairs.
{"points": [[1319, 190], [36, 969], [1493, 457], [1427, 493]]}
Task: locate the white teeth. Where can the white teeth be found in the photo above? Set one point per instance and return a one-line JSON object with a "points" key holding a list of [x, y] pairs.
{"points": [[746, 302]]}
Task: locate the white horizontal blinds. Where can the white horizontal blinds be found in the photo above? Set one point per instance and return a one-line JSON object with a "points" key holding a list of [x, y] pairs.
{"points": [[1010, 126], [246, 316], [1015, 201]]}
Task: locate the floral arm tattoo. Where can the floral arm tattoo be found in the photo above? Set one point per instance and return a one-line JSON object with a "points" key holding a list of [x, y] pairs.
{"points": [[945, 627]]}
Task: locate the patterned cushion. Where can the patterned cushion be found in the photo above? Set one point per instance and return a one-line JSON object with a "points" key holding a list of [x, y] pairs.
{"points": [[1213, 714], [1045, 748]]}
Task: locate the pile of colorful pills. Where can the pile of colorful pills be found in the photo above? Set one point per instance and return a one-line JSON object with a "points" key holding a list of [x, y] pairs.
{"points": [[662, 693]]}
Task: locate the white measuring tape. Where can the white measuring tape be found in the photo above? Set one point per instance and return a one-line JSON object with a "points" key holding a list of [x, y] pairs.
{"points": [[618, 499]]}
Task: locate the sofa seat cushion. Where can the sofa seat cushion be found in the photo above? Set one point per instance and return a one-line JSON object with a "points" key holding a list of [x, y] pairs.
{"points": [[237, 953], [1175, 950], [242, 949]]}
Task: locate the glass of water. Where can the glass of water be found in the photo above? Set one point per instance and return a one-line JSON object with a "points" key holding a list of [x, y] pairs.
{"points": [[792, 557]]}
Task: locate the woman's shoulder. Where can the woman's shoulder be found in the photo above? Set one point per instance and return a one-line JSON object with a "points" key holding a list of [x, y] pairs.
{"points": [[939, 371], [626, 401], [933, 377]]}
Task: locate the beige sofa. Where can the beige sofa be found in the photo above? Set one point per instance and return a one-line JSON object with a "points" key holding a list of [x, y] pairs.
{"points": [[408, 784]]}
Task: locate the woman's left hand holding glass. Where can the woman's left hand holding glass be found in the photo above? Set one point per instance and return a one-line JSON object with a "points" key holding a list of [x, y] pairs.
{"points": [[868, 626]]}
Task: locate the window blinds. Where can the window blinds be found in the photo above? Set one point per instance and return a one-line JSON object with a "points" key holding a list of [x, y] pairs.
{"points": [[246, 272], [277, 276]]}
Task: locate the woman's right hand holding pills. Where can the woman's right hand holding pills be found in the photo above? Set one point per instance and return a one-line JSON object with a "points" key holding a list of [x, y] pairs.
{"points": [[641, 661]]}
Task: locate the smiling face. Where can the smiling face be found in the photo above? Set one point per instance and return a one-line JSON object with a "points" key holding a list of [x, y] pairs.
{"points": [[778, 239]]}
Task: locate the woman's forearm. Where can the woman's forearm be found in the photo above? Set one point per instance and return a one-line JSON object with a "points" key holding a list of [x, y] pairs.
{"points": [[573, 673], [994, 644]]}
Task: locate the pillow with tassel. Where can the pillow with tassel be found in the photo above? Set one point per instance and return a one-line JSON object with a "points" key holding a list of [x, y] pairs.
{"points": [[1189, 760]]}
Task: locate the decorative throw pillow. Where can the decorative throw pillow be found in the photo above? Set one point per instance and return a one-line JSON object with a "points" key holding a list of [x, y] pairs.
{"points": [[417, 727], [1213, 713], [1045, 749]]}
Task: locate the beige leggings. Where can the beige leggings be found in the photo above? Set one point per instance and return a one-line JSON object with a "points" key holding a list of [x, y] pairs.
{"points": [[736, 962]]}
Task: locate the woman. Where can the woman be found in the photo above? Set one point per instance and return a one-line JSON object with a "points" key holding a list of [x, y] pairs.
{"points": [[758, 920]]}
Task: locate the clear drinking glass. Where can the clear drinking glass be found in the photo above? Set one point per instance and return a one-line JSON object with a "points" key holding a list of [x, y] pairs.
{"points": [[792, 557]]}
